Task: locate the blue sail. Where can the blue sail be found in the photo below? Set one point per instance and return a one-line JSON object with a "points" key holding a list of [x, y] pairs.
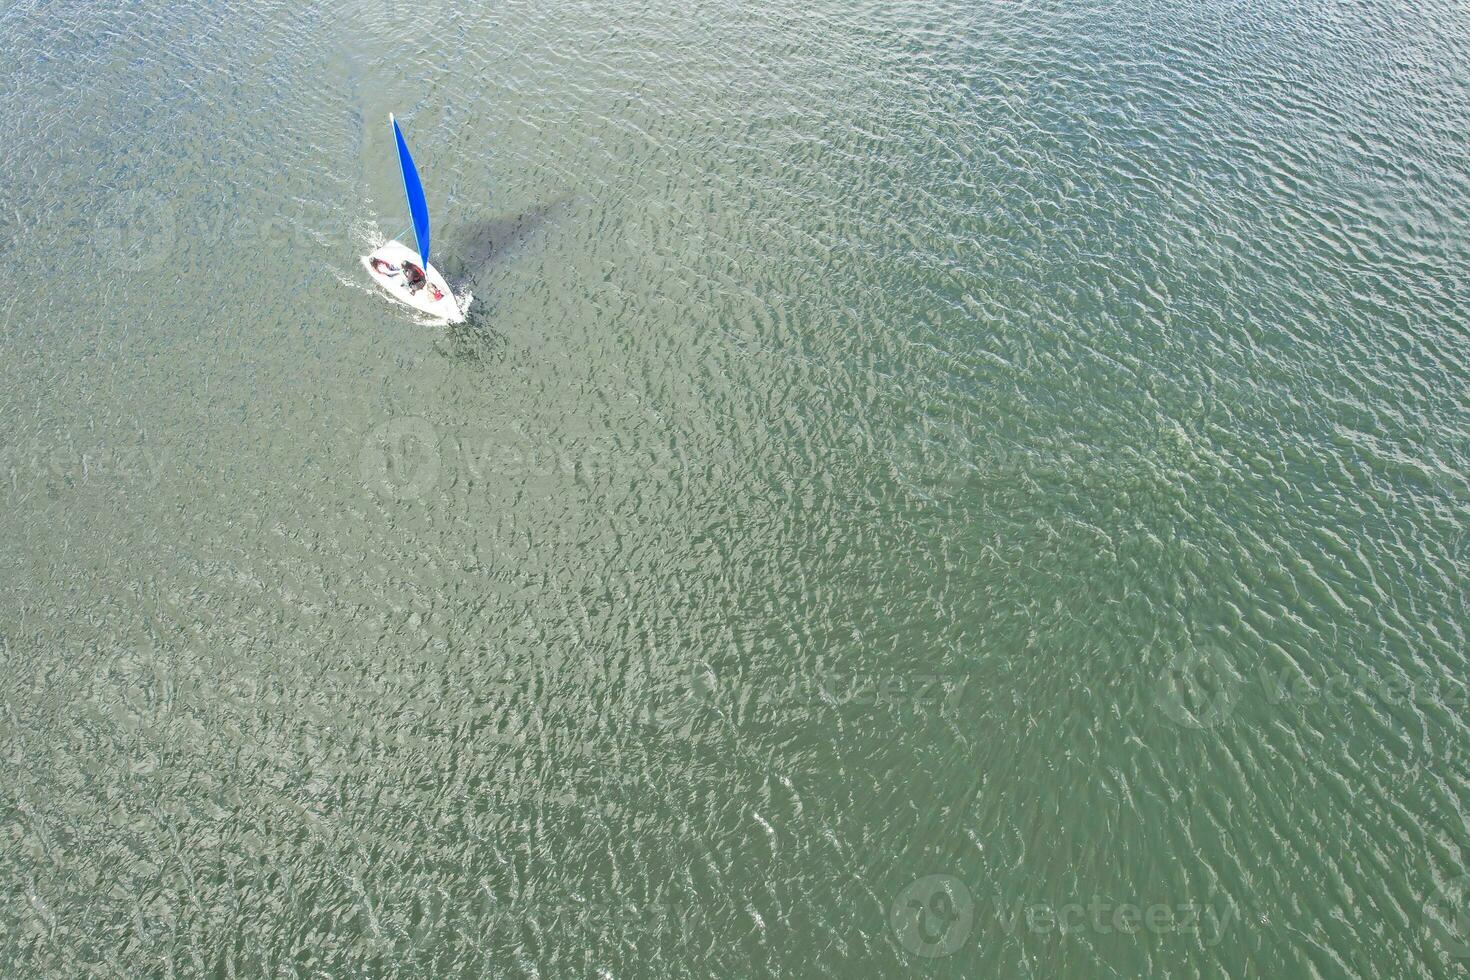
{"points": [[414, 190]]}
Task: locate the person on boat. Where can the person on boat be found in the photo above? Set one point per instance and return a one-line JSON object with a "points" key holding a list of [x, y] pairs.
{"points": [[384, 267], [417, 280], [415, 277]]}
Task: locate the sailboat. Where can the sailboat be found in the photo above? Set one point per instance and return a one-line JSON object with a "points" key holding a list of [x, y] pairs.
{"points": [[404, 273]]}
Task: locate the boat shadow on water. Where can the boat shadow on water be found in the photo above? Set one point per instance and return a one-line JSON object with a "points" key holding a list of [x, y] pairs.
{"points": [[474, 250], [476, 247]]}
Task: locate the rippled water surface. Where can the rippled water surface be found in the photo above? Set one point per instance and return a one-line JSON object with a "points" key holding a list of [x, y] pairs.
{"points": [[962, 489]]}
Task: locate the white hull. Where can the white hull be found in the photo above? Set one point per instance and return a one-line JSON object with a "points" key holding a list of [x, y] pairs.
{"points": [[395, 253]]}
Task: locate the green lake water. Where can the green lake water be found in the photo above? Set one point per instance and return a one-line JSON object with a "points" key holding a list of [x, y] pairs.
{"points": [[949, 489]]}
